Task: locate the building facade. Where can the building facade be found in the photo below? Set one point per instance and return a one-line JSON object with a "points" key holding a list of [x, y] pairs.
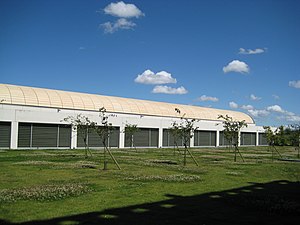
{"points": [[34, 118]]}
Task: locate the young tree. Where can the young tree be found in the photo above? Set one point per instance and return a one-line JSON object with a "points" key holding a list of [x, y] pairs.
{"points": [[272, 138], [186, 131], [130, 130], [83, 125], [231, 131], [281, 136], [176, 133], [104, 131], [270, 135], [296, 138]]}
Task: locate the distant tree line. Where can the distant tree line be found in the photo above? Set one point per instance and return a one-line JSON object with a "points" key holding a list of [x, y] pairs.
{"points": [[287, 136]]}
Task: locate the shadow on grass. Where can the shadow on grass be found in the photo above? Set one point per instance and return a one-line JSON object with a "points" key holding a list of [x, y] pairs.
{"points": [[276, 202]]}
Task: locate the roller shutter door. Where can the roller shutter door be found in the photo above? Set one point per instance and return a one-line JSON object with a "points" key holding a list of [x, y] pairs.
{"points": [[114, 137], [248, 138], [24, 136], [153, 137], [93, 139], [205, 138], [64, 136], [169, 140], [141, 138], [222, 140], [263, 139], [44, 135], [80, 142], [5, 133], [196, 139], [144, 137], [166, 137], [127, 140]]}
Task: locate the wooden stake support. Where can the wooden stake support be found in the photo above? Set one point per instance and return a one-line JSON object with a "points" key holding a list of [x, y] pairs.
{"points": [[113, 158]]}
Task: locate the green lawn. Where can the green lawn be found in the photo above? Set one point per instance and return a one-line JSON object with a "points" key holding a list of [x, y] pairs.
{"points": [[62, 187]]}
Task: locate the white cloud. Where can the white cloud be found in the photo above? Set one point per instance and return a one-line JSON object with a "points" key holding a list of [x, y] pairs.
{"points": [[275, 108], [258, 112], [286, 115], [236, 66], [294, 83], [276, 97], [169, 90], [204, 98], [250, 109], [247, 107], [120, 24], [149, 77], [233, 105], [124, 11], [251, 52], [121, 9], [254, 98], [272, 111], [292, 118]]}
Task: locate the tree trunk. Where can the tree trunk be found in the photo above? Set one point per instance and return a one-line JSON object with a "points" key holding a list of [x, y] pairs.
{"points": [[85, 147], [184, 158], [234, 154], [105, 162], [298, 147]]}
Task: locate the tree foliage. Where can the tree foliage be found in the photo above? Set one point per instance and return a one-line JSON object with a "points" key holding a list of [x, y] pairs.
{"points": [[270, 135], [176, 133], [283, 136], [273, 137], [232, 129], [83, 125], [231, 132], [295, 134], [130, 130], [104, 131], [296, 137], [185, 130]]}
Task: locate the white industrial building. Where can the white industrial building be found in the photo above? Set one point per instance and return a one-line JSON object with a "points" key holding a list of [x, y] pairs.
{"points": [[34, 118]]}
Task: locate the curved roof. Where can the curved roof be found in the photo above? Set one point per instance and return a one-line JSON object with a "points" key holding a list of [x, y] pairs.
{"points": [[30, 96]]}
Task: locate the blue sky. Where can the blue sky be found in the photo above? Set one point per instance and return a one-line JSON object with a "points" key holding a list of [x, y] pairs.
{"points": [[228, 54]]}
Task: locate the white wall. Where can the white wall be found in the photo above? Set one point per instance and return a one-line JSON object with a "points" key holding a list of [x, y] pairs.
{"points": [[16, 114]]}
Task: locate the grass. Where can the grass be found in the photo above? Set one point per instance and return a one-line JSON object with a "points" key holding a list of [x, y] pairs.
{"points": [[153, 187]]}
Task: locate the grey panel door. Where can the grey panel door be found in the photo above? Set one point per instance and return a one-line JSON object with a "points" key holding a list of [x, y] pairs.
{"points": [[5, 134], [24, 136], [44, 135]]}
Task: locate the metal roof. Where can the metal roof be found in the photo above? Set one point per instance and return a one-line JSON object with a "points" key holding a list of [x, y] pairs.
{"points": [[31, 96]]}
